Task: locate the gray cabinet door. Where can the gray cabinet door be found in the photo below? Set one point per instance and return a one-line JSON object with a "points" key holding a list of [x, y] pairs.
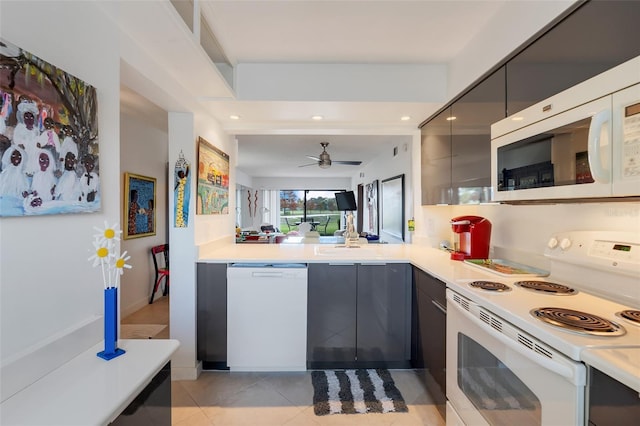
{"points": [[212, 315], [331, 315], [430, 322], [384, 315]]}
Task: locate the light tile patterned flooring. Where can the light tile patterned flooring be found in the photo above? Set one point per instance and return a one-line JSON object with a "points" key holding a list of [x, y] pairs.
{"points": [[222, 398]]}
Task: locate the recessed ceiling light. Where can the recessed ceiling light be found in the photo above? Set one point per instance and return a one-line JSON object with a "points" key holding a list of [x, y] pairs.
{"points": [[451, 118], [317, 117], [405, 118], [517, 118], [234, 117]]}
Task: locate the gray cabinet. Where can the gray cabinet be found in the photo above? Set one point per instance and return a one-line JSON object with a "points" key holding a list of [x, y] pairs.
{"points": [[331, 315], [471, 139], [212, 315], [358, 316], [152, 406], [435, 160], [456, 146], [429, 334], [596, 37], [456, 142]]}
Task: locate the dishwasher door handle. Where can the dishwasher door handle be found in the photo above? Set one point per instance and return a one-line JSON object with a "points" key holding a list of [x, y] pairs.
{"points": [[267, 274]]}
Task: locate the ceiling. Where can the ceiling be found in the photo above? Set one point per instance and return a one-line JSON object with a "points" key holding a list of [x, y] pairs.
{"points": [[275, 132]]}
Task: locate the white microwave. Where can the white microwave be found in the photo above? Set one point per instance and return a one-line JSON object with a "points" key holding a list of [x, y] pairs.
{"points": [[583, 142]]}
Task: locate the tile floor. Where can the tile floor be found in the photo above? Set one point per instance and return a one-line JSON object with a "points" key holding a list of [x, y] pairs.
{"points": [[278, 399]]}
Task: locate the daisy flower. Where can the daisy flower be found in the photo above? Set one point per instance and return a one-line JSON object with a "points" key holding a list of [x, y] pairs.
{"points": [[100, 255], [107, 233], [121, 263], [106, 254]]}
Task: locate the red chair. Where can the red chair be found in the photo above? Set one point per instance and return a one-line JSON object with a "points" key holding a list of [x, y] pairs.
{"points": [[161, 271]]}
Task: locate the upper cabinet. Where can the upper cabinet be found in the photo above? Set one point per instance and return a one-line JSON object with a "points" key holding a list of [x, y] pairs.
{"points": [[436, 160], [472, 116], [456, 143], [456, 146], [594, 38]]}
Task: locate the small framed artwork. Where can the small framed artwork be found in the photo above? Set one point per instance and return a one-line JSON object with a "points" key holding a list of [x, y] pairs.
{"points": [[139, 206]]}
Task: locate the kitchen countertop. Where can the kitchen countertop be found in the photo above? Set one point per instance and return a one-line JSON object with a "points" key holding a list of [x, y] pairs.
{"points": [[623, 364], [88, 390], [434, 261]]}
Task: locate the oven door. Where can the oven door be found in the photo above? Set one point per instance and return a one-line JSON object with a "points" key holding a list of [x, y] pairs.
{"points": [[498, 375]]}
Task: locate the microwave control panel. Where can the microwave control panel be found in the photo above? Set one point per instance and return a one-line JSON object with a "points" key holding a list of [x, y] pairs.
{"points": [[631, 142]]}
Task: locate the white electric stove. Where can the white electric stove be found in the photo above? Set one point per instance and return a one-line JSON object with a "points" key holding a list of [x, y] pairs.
{"points": [[530, 323], [597, 274]]}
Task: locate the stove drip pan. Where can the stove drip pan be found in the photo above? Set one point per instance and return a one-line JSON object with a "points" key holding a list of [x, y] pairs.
{"points": [[547, 287], [630, 315], [490, 286], [578, 322]]}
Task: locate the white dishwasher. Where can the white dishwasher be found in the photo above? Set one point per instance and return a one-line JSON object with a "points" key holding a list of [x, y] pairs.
{"points": [[267, 317]]}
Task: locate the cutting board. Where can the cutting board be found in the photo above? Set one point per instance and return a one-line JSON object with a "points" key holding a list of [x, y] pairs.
{"points": [[506, 268]]}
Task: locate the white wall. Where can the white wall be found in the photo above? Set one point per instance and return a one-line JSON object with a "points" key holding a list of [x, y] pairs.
{"points": [[143, 151], [521, 232], [49, 293], [385, 167]]}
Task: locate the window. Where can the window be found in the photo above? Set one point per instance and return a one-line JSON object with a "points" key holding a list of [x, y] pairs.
{"points": [[316, 207]]}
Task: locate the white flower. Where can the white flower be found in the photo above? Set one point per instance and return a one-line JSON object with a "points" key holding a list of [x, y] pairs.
{"points": [[107, 255], [121, 263], [101, 254], [107, 233]]}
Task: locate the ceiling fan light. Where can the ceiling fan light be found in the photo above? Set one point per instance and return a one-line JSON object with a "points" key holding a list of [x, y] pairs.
{"points": [[324, 165]]}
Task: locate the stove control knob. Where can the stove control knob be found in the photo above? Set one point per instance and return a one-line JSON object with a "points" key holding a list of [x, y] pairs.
{"points": [[553, 243], [565, 244]]}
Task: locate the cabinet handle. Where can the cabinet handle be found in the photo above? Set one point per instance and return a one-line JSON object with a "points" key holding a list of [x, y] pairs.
{"points": [[440, 307]]}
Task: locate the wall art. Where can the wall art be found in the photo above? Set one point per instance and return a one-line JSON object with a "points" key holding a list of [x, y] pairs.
{"points": [[181, 192], [392, 206], [213, 180], [372, 206], [48, 138], [139, 206]]}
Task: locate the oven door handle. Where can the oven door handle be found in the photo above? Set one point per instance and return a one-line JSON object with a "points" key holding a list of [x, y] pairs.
{"points": [[565, 368]]}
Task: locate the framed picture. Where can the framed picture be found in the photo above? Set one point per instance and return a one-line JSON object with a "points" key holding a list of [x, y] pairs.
{"points": [[372, 206], [48, 138], [139, 206], [392, 206], [213, 180]]}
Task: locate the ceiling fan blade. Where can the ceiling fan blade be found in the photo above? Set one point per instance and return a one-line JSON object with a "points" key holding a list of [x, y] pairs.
{"points": [[312, 164], [349, 163], [313, 158]]}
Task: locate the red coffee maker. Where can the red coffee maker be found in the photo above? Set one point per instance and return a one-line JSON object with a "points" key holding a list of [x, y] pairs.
{"points": [[471, 237]]}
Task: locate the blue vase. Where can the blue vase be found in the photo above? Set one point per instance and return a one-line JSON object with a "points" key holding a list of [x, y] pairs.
{"points": [[111, 349]]}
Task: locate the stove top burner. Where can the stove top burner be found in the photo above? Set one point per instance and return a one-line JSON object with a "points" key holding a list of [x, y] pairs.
{"points": [[630, 315], [547, 287], [490, 286], [578, 322]]}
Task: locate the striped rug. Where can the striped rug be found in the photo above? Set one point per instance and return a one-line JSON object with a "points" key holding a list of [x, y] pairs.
{"points": [[355, 392]]}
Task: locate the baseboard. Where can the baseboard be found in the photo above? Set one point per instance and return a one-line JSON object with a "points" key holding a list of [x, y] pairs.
{"points": [[139, 304], [186, 373]]}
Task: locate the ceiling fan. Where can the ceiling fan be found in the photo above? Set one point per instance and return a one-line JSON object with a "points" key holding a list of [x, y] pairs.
{"points": [[324, 160]]}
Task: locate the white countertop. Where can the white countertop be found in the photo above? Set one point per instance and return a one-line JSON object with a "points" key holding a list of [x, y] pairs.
{"points": [[88, 390], [434, 261], [623, 364]]}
